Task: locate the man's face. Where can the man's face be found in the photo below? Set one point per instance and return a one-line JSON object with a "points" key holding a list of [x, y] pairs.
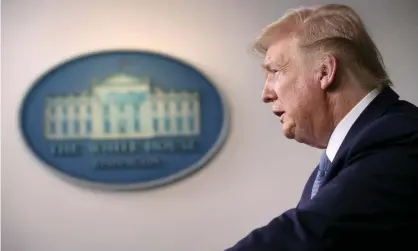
{"points": [[293, 91]]}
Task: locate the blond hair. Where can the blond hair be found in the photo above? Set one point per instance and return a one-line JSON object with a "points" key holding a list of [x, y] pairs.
{"points": [[330, 29]]}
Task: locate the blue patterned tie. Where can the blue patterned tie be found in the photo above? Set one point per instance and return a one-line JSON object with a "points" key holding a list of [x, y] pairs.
{"points": [[324, 165]]}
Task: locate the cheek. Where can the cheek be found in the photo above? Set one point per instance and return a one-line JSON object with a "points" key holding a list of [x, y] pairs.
{"points": [[307, 107], [287, 94], [296, 99], [283, 89]]}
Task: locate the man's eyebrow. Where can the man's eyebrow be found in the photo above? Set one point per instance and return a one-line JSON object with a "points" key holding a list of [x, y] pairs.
{"points": [[269, 65]]}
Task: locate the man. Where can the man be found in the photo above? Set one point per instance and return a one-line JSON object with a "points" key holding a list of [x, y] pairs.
{"points": [[326, 81]]}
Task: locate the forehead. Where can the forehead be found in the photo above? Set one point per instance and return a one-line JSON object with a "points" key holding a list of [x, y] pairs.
{"points": [[279, 52]]}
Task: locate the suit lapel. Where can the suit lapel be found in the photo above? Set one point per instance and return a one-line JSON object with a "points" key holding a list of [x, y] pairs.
{"points": [[306, 194], [375, 110]]}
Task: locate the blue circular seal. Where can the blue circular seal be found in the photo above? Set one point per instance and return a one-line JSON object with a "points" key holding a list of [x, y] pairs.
{"points": [[124, 119]]}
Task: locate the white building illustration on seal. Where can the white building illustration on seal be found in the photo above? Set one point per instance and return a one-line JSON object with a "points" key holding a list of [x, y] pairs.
{"points": [[122, 106]]}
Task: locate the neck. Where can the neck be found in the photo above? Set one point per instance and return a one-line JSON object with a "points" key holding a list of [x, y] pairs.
{"points": [[340, 103]]}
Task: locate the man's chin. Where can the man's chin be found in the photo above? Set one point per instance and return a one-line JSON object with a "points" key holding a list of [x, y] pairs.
{"points": [[289, 131]]}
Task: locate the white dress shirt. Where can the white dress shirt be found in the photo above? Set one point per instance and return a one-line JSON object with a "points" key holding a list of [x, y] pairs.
{"points": [[345, 124]]}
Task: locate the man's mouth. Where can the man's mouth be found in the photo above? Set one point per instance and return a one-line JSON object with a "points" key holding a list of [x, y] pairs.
{"points": [[278, 113]]}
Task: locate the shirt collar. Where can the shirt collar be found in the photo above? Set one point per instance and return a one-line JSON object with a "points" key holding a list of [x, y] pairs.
{"points": [[345, 124]]}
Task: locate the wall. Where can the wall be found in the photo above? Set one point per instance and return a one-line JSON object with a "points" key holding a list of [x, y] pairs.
{"points": [[259, 173]]}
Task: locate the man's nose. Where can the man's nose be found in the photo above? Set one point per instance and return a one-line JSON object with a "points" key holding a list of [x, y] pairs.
{"points": [[268, 95]]}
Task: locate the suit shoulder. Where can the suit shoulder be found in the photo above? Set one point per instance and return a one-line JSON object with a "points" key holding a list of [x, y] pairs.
{"points": [[397, 129]]}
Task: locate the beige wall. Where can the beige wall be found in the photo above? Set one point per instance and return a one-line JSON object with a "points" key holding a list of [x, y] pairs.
{"points": [[258, 175]]}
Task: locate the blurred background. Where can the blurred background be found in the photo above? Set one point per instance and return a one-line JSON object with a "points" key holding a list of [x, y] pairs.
{"points": [[258, 174]]}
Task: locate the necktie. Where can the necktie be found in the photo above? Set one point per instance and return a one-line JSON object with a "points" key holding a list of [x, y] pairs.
{"points": [[323, 168]]}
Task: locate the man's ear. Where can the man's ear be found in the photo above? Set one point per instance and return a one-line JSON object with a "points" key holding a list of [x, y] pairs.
{"points": [[327, 71]]}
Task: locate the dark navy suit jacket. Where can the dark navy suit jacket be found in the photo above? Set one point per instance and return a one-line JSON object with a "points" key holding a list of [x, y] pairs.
{"points": [[370, 198]]}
